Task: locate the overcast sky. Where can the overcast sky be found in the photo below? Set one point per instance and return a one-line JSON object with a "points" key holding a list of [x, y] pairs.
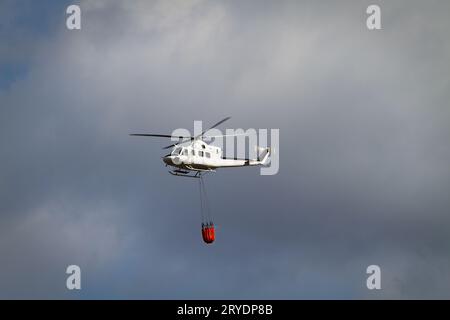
{"points": [[364, 149]]}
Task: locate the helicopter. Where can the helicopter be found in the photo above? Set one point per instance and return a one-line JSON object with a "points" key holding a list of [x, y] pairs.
{"points": [[191, 156]]}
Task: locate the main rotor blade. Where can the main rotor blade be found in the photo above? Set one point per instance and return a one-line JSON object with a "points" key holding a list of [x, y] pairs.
{"points": [[218, 123], [159, 135], [170, 146], [181, 141]]}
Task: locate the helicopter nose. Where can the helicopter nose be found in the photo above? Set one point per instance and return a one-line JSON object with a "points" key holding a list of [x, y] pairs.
{"points": [[167, 160]]}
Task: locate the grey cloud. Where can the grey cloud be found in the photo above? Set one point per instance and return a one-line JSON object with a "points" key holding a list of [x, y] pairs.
{"points": [[364, 179]]}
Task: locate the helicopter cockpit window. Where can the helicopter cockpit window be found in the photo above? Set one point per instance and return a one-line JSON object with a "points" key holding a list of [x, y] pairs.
{"points": [[185, 152], [176, 151]]}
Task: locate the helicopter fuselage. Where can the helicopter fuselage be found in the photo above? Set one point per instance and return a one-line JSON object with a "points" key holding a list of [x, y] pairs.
{"points": [[199, 156]]}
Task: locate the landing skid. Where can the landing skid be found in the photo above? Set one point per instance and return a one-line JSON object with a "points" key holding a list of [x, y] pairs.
{"points": [[189, 174]]}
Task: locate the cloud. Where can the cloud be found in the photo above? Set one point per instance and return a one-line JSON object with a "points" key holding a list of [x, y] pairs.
{"points": [[363, 156]]}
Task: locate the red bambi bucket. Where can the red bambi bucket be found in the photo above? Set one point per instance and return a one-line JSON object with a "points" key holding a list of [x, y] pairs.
{"points": [[208, 233]]}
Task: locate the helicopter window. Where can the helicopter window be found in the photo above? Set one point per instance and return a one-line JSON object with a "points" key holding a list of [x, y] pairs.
{"points": [[208, 155], [185, 152], [200, 153], [193, 152], [176, 151]]}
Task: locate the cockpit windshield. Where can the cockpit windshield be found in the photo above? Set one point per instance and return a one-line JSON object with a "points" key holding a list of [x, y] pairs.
{"points": [[177, 151]]}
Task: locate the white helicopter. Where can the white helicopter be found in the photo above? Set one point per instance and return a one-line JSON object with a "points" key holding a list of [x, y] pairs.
{"points": [[192, 157]]}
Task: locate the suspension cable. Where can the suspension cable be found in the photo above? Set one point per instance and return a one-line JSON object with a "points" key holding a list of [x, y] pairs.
{"points": [[204, 203], [207, 206], [202, 209]]}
